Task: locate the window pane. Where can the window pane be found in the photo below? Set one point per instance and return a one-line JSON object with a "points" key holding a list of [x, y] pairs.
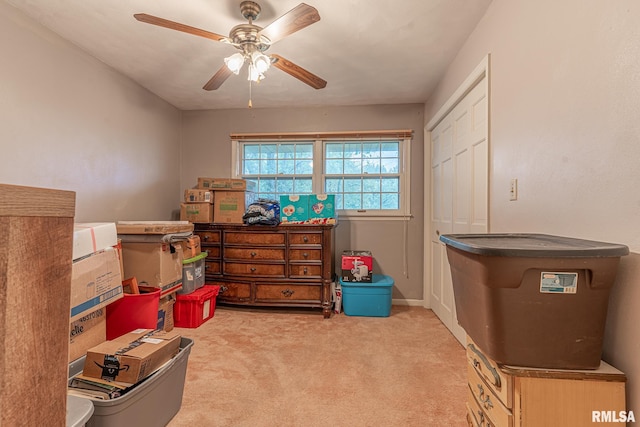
{"points": [[286, 167], [268, 151], [304, 151], [353, 150], [391, 184], [333, 150], [371, 150], [251, 151], [390, 166], [251, 167], [371, 166], [390, 201], [353, 166], [304, 167], [266, 185], [334, 166], [268, 167], [352, 201], [390, 149], [303, 186], [371, 200], [371, 185], [284, 185], [352, 185], [286, 151], [333, 185]]}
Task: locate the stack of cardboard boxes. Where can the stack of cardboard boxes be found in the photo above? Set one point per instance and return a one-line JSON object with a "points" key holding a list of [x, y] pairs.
{"points": [[96, 281], [220, 200]]}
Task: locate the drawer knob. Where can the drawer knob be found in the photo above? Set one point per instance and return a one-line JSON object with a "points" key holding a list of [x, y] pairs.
{"points": [[304, 270], [478, 366], [305, 239], [287, 292], [253, 269], [205, 237], [253, 254], [223, 289], [305, 255]]}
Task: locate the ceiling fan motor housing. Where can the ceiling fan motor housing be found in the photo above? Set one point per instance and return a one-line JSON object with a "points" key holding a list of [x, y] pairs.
{"points": [[250, 10]]}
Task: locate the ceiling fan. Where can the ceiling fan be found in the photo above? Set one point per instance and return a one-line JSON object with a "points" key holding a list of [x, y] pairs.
{"points": [[252, 41]]}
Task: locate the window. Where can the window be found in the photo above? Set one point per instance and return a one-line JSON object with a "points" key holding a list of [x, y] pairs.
{"points": [[369, 175]]}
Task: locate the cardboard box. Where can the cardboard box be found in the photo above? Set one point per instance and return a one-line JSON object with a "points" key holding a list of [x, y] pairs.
{"points": [[131, 357], [357, 266], [322, 206], [294, 208], [190, 246], [165, 313], [230, 206], [153, 227], [225, 184], [86, 332], [197, 212], [91, 237], [196, 195], [95, 282], [155, 264]]}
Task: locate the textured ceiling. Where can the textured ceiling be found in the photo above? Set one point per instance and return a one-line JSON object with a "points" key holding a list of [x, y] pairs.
{"points": [[369, 52]]}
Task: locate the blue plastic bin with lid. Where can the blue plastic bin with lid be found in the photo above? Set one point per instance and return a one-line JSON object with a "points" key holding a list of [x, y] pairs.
{"points": [[368, 299]]}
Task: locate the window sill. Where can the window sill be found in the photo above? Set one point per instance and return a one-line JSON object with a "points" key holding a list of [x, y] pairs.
{"points": [[373, 216]]}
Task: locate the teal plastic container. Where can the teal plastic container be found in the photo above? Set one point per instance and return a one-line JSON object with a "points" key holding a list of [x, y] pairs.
{"points": [[371, 299]]}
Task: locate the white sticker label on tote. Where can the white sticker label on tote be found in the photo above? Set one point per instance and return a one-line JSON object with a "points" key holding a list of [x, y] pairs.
{"points": [[206, 309], [558, 283]]}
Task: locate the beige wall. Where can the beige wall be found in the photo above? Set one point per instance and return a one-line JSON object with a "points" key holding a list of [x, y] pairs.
{"points": [[207, 152], [565, 98], [70, 122]]}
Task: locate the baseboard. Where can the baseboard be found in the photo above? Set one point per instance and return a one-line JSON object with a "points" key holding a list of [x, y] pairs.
{"points": [[411, 302]]}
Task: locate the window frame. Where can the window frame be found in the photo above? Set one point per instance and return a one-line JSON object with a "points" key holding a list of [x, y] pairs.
{"points": [[404, 139]]}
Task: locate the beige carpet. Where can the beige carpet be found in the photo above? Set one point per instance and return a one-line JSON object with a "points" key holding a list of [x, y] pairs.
{"points": [[275, 368]]}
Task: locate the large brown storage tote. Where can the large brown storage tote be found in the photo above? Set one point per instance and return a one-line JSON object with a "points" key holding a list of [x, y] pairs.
{"points": [[533, 300]]}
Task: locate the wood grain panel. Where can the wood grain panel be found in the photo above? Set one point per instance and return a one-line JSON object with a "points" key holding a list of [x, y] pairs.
{"points": [[305, 270], [244, 269], [305, 254], [35, 304], [254, 253], [257, 238], [288, 292], [305, 238], [209, 236]]}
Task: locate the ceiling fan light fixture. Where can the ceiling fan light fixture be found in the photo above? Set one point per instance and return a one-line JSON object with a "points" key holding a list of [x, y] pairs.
{"points": [[235, 62]]}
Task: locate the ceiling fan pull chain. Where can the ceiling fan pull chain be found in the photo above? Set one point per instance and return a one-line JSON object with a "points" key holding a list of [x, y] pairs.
{"points": [[250, 104]]}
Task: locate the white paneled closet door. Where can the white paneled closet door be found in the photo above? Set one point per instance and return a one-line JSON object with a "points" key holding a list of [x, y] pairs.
{"points": [[459, 191]]}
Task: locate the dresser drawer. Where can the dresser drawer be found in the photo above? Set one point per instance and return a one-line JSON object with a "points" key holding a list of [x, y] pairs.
{"points": [[305, 254], [247, 269], [488, 401], [255, 238], [212, 266], [233, 291], [254, 253], [486, 368], [209, 236], [305, 270], [300, 293], [307, 238], [212, 251], [475, 415]]}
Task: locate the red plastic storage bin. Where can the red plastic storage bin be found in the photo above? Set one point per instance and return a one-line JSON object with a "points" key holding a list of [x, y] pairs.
{"points": [[132, 311], [192, 310]]}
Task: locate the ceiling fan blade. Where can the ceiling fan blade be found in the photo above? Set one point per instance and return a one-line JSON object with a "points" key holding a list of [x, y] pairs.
{"points": [[218, 78], [298, 72], [161, 22], [296, 19]]}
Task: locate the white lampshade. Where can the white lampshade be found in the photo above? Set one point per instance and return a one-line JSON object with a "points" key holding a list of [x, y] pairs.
{"points": [[235, 62], [260, 61], [254, 74]]}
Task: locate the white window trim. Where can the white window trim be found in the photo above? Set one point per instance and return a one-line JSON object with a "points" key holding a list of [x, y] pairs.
{"points": [[401, 214]]}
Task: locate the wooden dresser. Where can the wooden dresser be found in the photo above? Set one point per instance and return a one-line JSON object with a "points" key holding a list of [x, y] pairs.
{"points": [[270, 266], [507, 396]]}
